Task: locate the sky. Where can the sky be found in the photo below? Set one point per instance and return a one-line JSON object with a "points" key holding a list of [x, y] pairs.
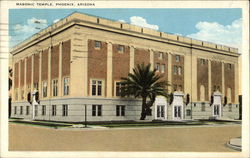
{"points": [[222, 26]]}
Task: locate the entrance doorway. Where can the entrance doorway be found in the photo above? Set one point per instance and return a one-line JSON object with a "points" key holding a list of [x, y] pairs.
{"points": [[216, 108], [160, 108], [178, 104]]}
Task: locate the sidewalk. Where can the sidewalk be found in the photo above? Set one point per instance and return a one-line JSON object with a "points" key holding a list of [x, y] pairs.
{"points": [[235, 143]]}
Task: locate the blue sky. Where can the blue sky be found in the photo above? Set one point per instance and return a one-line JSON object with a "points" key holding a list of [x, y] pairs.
{"points": [[221, 26]]}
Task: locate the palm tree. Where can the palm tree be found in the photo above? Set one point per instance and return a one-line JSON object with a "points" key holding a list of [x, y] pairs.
{"points": [[144, 83]]}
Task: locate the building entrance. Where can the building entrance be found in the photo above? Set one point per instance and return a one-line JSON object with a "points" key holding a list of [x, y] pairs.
{"points": [[178, 102], [161, 108], [216, 111]]}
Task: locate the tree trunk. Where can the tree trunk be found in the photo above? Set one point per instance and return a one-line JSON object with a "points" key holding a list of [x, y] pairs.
{"points": [[143, 109]]}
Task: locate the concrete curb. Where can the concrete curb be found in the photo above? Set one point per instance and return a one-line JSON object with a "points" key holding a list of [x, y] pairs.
{"points": [[235, 143]]}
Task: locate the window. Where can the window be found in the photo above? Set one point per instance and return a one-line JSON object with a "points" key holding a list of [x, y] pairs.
{"points": [[44, 89], [180, 87], [121, 48], [21, 110], [163, 68], [188, 112], [53, 110], [36, 110], [96, 88], [27, 110], [177, 58], [36, 86], [175, 87], [66, 86], [202, 61], [55, 87], [160, 55], [15, 110], [118, 88], [43, 110], [16, 94], [157, 67], [22, 94], [229, 107], [175, 70], [96, 110], [179, 70], [64, 110], [229, 66], [98, 44], [120, 110], [203, 107]]}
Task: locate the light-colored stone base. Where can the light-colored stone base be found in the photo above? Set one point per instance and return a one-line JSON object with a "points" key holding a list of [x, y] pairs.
{"points": [[76, 110]]}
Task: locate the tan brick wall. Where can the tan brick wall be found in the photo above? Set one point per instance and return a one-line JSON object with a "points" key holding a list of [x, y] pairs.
{"points": [[216, 75], [22, 73], [66, 47], [36, 68], [178, 79], [120, 64], [16, 84], [202, 78], [142, 56], [162, 61], [45, 65], [229, 80], [55, 62], [97, 62], [28, 70]]}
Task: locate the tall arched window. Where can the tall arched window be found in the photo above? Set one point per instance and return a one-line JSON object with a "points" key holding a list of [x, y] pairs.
{"points": [[202, 93], [229, 95]]}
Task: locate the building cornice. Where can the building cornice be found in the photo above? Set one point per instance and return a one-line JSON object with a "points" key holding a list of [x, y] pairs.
{"points": [[124, 29]]}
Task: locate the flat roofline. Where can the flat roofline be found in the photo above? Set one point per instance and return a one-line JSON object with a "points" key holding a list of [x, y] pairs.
{"points": [[122, 26]]}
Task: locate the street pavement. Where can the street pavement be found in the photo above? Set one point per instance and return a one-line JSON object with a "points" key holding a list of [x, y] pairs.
{"points": [[188, 139]]}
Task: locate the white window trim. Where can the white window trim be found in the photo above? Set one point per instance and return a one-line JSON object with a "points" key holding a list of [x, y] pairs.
{"points": [[63, 86], [52, 87], [103, 87]]}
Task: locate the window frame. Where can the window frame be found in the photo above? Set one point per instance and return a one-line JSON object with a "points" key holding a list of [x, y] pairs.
{"points": [[163, 68], [118, 90], [27, 110], [43, 110], [203, 107], [97, 46], [97, 87], [65, 109], [177, 58], [21, 110], [55, 87], [66, 85], [53, 111], [121, 50], [160, 55], [45, 93], [120, 110], [96, 110]]}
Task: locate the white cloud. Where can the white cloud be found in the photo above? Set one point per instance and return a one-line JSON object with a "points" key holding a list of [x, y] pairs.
{"points": [[56, 20], [140, 21], [22, 32], [229, 35], [123, 21]]}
